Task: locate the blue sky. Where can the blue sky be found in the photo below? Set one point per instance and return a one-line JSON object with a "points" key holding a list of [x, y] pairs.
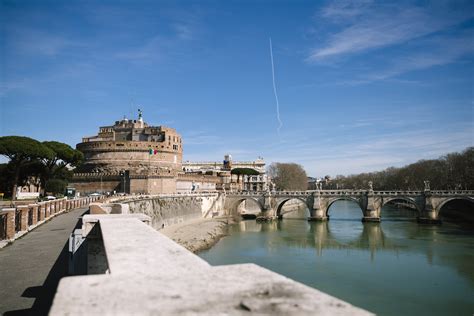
{"points": [[362, 85]]}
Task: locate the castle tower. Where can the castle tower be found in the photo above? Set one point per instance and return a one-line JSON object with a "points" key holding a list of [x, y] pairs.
{"points": [[132, 157]]}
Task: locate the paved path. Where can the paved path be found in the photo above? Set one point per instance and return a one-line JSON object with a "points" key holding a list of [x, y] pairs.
{"points": [[31, 267]]}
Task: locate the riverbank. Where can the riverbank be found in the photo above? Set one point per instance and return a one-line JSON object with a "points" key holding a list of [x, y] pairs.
{"points": [[199, 234]]}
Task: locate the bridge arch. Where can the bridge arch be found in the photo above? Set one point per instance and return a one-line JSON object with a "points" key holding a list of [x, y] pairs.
{"points": [[235, 204], [465, 212], [405, 199], [344, 198], [454, 198], [281, 203]]}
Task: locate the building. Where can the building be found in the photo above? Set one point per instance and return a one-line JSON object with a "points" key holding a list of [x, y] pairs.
{"points": [[256, 180], [131, 157], [134, 157]]}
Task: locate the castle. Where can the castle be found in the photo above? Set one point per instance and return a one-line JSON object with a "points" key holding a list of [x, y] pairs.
{"points": [[136, 158]]}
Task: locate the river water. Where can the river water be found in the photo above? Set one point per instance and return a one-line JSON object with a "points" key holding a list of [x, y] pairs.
{"points": [[396, 267]]}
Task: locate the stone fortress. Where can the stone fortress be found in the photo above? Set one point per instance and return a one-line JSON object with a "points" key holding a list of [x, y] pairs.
{"points": [[135, 158]]}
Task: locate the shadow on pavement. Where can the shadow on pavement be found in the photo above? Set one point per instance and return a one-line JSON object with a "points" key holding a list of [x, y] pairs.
{"points": [[45, 294]]}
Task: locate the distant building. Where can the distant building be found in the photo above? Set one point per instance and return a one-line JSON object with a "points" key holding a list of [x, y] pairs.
{"points": [[312, 183], [134, 157], [257, 181]]}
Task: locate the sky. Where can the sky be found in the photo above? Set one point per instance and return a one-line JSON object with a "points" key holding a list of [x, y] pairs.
{"points": [[361, 85]]}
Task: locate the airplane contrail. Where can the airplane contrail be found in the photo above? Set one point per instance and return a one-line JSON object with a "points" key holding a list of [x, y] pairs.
{"points": [[275, 90]]}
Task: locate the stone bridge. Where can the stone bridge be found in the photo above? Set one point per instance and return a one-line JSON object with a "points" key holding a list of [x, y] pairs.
{"points": [[427, 203]]}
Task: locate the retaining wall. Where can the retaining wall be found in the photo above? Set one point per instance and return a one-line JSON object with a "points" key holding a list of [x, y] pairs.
{"points": [[165, 210]]}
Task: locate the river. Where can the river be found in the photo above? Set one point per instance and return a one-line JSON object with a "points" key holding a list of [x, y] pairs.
{"points": [[396, 267]]}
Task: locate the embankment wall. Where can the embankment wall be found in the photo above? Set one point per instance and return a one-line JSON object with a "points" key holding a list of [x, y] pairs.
{"points": [[166, 210]]}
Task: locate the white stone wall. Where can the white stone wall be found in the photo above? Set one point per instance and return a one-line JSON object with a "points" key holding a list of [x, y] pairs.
{"points": [[149, 274]]}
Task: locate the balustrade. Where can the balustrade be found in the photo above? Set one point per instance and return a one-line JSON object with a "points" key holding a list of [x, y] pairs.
{"points": [[24, 217]]}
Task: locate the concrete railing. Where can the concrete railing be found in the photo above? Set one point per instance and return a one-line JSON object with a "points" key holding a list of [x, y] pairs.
{"points": [[17, 221], [135, 270]]}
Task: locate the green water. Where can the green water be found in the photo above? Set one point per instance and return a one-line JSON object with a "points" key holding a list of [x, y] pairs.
{"points": [[396, 267]]}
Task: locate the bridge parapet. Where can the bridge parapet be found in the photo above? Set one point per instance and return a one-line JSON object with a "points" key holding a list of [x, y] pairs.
{"points": [[397, 193], [342, 192], [454, 193], [291, 193]]}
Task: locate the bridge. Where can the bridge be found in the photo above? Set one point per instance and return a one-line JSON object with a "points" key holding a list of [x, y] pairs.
{"points": [[427, 203]]}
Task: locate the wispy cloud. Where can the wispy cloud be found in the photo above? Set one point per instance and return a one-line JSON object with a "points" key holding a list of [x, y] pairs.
{"points": [[184, 31], [379, 25], [344, 9], [157, 46], [439, 51], [150, 50], [201, 138], [35, 42], [6, 87]]}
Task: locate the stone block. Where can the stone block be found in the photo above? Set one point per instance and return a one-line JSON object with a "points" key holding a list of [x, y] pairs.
{"points": [[98, 208], [24, 217], [42, 211], [10, 222], [47, 211], [34, 211]]}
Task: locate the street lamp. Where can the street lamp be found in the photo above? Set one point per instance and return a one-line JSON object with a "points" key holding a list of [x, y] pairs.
{"points": [[97, 172], [122, 178]]}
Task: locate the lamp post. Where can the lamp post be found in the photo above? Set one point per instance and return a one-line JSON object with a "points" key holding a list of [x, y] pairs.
{"points": [[122, 178]]}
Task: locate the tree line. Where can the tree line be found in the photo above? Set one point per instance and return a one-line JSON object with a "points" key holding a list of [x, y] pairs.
{"points": [[454, 171], [44, 164]]}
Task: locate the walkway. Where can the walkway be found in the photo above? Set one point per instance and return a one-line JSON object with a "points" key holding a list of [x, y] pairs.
{"points": [[30, 268]]}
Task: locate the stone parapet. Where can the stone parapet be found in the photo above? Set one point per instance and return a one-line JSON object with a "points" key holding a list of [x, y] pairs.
{"points": [[147, 273]]}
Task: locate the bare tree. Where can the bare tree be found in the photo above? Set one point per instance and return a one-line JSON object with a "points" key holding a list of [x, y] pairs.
{"points": [[288, 176]]}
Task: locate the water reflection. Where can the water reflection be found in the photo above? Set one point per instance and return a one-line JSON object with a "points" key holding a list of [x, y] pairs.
{"points": [[371, 265], [320, 236]]}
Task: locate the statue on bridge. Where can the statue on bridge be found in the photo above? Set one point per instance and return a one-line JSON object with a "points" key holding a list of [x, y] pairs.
{"points": [[371, 186], [427, 185]]}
